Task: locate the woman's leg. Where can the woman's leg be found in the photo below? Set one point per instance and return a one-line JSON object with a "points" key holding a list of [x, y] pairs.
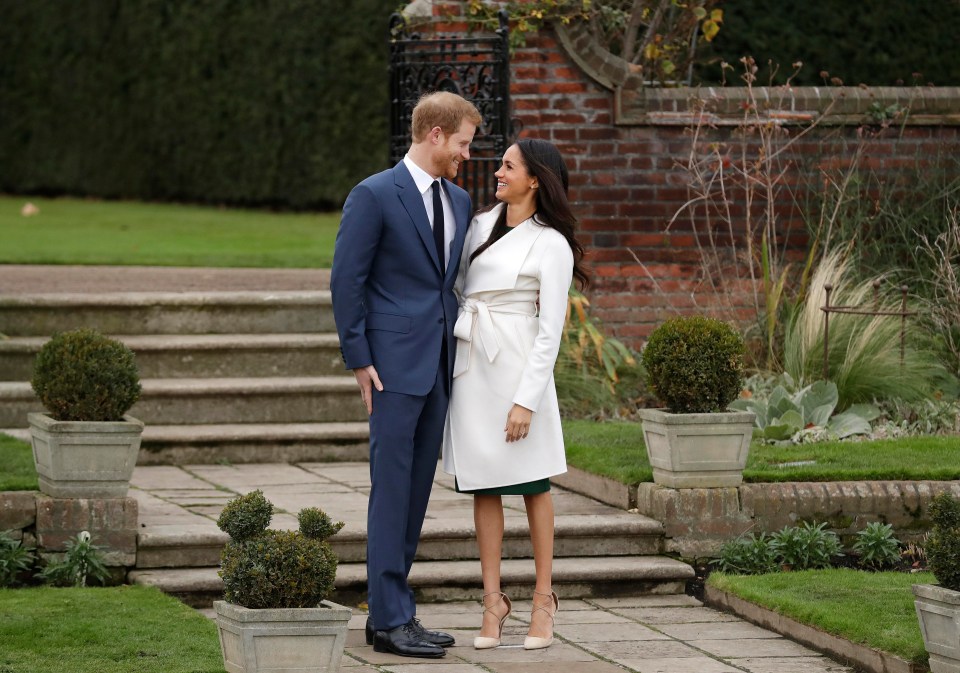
{"points": [[488, 519], [540, 518]]}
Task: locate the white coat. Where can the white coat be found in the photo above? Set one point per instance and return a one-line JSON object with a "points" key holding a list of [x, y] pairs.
{"points": [[506, 351]]}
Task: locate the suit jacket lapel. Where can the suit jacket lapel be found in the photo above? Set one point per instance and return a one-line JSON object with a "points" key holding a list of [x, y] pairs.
{"points": [[412, 201], [462, 217]]}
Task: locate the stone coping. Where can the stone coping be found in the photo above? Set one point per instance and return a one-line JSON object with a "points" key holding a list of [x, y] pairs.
{"points": [[839, 648]]}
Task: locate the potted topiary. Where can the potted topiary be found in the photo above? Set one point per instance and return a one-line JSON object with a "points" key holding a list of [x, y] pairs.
{"points": [[85, 447], [694, 365], [275, 615], [938, 605]]}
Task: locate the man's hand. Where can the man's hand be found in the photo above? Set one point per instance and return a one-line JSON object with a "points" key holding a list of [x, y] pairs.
{"points": [[367, 379], [518, 423]]}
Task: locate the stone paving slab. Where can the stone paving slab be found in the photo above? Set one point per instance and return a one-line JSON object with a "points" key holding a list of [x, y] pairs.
{"points": [[671, 633]]}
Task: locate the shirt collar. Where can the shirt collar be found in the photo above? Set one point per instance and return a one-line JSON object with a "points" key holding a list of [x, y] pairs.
{"points": [[420, 176]]}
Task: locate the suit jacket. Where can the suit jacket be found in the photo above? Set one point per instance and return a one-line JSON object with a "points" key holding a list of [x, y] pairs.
{"points": [[392, 302]]}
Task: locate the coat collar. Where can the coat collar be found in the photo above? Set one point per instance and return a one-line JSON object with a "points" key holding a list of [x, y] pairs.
{"points": [[499, 265]]}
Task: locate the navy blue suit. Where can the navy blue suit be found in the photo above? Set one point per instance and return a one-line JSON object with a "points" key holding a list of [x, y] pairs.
{"points": [[394, 308]]}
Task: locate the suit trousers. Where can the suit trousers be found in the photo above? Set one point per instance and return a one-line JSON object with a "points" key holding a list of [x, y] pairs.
{"points": [[406, 432]]}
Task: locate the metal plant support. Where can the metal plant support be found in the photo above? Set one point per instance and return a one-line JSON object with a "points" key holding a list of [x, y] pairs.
{"points": [[477, 68], [827, 309]]}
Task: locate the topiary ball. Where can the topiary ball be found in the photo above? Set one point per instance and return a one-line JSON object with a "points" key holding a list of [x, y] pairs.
{"points": [[246, 516], [943, 545], [694, 364], [316, 524], [82, 375], [263, 568], [278, 569]]}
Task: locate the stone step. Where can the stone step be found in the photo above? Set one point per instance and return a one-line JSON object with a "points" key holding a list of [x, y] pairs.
{"points": [[168, 313], [573, 577], [618, 534], [247, 443], [254, 443], [219, 401], [171, 356]]}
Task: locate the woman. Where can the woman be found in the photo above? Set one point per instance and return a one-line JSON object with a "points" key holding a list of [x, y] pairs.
{"points": [[503, 434]]}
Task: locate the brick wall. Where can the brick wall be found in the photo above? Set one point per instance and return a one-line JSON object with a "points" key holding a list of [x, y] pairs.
{"points": [[627, 145]]}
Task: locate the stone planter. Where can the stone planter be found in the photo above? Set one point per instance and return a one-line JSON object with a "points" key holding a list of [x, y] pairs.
{"points": [[697, 450], [83, 459], [938, 610], [282, 640]]}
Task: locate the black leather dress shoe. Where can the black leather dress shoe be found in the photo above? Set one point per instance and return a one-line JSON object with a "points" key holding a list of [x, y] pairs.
{"points": [[406, 641], [434, 637]]}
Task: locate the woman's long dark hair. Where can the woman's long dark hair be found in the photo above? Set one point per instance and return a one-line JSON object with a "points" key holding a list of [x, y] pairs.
{"points": [[543, 161]]}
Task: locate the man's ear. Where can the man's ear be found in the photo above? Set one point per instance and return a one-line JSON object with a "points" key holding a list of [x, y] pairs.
{"points": [[436, 134]]}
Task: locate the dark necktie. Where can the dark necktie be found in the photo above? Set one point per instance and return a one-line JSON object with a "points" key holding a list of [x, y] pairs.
{"points": [[438, 222]]}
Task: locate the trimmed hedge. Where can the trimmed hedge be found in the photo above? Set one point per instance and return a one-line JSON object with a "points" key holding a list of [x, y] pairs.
{"points": [[254, 103], [875, 43]]}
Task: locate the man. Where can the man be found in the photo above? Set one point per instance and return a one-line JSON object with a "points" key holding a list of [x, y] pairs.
{"points": [[394, 266]]}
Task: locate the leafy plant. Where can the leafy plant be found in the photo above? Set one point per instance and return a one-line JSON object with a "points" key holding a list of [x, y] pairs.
{"points": [[263, 568], [943, 544], [877, 546], [864, 350], [694, 364], [15, 559], [82, 375], [783, 415], [941, 289], [658, 37], [748, 555], [588, 347], [806, 546], [82, 563]]}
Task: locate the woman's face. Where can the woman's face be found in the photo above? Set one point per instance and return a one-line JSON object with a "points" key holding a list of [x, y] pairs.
{"points": [[515, 185]]}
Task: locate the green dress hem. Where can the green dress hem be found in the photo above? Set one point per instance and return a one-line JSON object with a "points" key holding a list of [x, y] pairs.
{"points": [[526, 488]]}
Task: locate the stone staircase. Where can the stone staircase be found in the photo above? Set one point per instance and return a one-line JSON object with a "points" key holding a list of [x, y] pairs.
{"points": [[253, 380], [227, 376]]}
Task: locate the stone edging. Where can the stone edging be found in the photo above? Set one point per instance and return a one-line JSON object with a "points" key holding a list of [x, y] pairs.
{"points": [[606, 490], [875, 661]]}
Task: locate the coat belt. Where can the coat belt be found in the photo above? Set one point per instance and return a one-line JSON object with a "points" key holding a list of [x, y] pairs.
{"points": [[477, 312]]}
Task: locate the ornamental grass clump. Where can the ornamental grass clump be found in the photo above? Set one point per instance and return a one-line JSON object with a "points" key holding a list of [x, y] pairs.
{"points": [[694, 364], [943, 545], [263, 568], [82, 375]]}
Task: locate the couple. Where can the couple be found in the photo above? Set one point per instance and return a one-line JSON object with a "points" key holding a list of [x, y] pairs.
{"points": [[474, 376]]}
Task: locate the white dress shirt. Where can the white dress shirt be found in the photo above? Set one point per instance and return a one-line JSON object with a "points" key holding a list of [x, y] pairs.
{"points": [[425, 185]]}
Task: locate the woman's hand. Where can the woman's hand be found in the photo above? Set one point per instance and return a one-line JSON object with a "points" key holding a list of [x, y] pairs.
{"points": [[518, 423]]}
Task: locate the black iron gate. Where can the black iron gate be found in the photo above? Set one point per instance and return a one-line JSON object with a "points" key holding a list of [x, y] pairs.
{"points": [[477, 68]]}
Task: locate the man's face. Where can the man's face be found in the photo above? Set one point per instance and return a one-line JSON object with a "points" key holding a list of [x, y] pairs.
{"points": [[453, 149]]}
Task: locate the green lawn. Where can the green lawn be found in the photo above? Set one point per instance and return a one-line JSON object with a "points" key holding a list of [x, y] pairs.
{"points": [[104, 630], [75, 231], [616, 450], [874, 609], [17, 472]]}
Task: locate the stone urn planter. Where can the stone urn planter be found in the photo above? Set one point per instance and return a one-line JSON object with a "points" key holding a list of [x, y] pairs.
{"points": [[84, 459], [282, 640], [276, 616], [85, 446], [938, 610], [694, 365], [938, 605], [707, 450]]}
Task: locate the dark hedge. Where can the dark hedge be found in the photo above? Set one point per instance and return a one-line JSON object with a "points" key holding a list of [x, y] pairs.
{"points": [[247, 102], [876, 42]]}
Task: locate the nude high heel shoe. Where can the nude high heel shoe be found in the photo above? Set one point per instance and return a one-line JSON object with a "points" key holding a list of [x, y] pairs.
{"points": [[483, 642], [533, 642]]}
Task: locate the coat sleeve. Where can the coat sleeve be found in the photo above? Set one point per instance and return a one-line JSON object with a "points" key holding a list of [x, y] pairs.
{"points": [[354, 251], [555, 272]]}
